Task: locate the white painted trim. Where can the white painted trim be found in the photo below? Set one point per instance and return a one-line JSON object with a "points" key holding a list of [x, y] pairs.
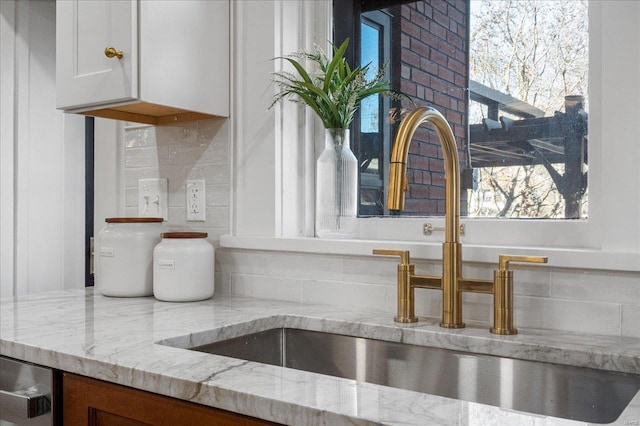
{"points": [[42, 175], [7, 147], [558, 257], [108, 171], [297, 127], [21, 112], [254, 153], [73, 206]]}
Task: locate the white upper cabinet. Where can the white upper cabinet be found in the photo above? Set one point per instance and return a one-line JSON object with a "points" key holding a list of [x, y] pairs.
{"points": [[169, 60]]}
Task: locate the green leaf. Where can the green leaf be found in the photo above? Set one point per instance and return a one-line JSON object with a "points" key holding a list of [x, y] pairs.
{"points": [[300, 69], [333, 90], [338, 60]]}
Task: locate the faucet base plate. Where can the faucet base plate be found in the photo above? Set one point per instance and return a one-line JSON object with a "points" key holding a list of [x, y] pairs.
{"points": [[503, 331], [452, 325], [405, 319]]}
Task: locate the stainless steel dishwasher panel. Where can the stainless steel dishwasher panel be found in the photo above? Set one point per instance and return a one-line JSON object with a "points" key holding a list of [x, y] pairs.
{"points": [[26, 392]]}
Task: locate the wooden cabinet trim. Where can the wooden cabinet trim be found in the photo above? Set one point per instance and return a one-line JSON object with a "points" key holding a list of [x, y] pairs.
{"points": [[89, 401]]}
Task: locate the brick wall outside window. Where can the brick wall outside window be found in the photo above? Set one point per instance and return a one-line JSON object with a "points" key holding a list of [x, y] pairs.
{"points": [[434, 71]]}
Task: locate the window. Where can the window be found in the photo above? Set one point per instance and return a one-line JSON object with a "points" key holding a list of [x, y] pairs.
{"points": [[609, 238], [523, 64], [528, 112], [375, 130]]}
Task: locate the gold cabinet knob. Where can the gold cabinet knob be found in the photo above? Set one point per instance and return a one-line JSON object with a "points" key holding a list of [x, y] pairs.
{"points": [[111, 52]]}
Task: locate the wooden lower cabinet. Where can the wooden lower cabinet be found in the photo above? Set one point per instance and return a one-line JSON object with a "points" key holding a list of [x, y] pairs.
{"points": [[96, 403]]}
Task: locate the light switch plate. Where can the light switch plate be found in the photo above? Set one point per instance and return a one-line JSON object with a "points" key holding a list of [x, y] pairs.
{"points": [[196, 201], [152, 198]]}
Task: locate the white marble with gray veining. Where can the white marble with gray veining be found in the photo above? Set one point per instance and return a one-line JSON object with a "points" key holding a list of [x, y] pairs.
{"points": [[117, 340]]}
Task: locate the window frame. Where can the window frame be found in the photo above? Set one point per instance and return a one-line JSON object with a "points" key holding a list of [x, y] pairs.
{"points": [[608, 239]]}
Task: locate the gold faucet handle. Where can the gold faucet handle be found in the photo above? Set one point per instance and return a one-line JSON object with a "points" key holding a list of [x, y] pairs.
{"points": [[503, 293], [405, 258], [504, 260], [406, 301]]}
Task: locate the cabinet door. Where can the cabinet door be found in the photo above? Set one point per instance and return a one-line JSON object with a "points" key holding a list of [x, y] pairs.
{"points": [[85, 76], [95, 403]]}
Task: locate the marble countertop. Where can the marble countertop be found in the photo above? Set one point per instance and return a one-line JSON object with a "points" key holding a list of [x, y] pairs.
{"points": [[124, 341]]}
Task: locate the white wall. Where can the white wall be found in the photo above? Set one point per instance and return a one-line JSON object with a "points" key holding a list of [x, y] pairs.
{"points": [[42, 162]]}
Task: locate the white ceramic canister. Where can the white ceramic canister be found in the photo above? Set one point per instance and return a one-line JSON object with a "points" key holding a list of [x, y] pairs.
{"points": [[124, 256], [183, 267]]}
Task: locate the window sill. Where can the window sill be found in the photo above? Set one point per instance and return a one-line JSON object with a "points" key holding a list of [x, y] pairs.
{"points": [[558, 257]]}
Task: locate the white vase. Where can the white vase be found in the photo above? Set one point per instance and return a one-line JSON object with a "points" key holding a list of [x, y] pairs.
{"points": [[336, 187]]}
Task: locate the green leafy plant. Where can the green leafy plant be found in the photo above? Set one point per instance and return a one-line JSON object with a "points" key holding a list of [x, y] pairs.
{"points": [[333, 90]]}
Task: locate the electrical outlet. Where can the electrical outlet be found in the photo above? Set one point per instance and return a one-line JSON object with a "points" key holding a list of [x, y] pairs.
{"points": [[196, 201], [152, 198]]}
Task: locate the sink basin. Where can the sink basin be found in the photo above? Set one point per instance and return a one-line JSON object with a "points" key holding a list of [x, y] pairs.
{"points": [[576, 393]]}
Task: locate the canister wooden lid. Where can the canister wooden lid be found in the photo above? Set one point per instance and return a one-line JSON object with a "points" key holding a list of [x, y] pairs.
{"points": [[134, 219], [184, 235]]}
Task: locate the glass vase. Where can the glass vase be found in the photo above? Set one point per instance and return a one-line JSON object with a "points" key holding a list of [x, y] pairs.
{"points": [[336, 187]]}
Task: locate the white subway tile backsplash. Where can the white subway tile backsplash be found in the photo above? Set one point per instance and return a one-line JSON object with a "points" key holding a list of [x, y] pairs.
{"points": [[215, 234], [528, 280], [131, 211], [220, 154], [218, 195], [180, 155], [612, 286], [267, 287], [477, 307], [176, 195], [198, 150], [217, 217], [131, 197], [568, 315], [293, 265], [631, 320], [340, 293], [178, 217], [532, 281], [141, 157], [478, 270], [184, 133], [140, 137], [364, 270], [222, 282], [583, 317], [370, 282], [216, 130], [133, 174], [214, 174], [242, 262], [212, 152], [428, 303]]}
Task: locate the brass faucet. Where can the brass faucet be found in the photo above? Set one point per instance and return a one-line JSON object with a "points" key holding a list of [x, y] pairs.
{"points": [[451, 283]]}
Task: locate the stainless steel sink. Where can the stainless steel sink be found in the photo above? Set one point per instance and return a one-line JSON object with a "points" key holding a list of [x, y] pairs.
{"points": [[576, 393]]}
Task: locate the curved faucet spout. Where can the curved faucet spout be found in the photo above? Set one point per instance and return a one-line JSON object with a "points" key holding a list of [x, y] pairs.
{"points": [[451, 282], [451, 248], [398, 169]]}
